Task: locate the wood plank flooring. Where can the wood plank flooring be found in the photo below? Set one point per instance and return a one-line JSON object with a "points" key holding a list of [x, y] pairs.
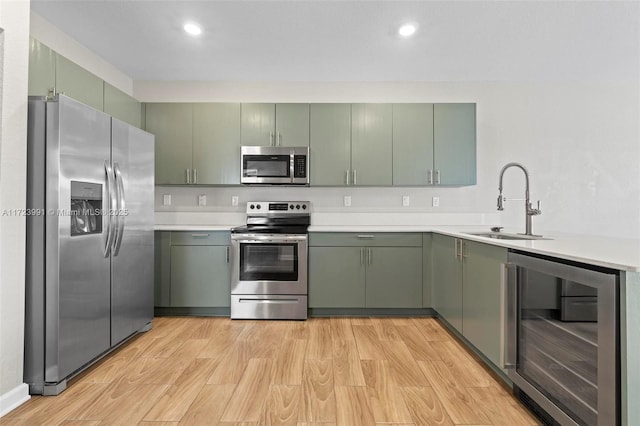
{"points": [[323, 372]]}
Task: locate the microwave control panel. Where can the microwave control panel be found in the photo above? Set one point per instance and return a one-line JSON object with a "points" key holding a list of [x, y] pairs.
{"points": [[299, 166]]}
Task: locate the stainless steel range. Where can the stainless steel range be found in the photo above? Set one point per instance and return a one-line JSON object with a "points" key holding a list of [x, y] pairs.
{"points": [[269, 261]]}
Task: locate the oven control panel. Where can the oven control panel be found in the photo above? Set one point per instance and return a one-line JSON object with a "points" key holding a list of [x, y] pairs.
{"points": [[278, 207]]}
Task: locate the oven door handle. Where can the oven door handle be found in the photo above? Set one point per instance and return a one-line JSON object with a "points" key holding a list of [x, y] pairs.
{"points": [[269, 301], [268, 238], [510, 285]]}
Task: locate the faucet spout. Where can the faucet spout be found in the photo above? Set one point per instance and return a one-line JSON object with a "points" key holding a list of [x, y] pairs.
{"points": [[529, 211]]}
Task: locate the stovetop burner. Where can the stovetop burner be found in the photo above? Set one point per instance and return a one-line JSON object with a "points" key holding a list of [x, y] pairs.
{"points": [[276, 217]]}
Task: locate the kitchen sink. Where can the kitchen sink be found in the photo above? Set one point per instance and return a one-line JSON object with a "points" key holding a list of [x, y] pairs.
{"points": [[505, 236]]}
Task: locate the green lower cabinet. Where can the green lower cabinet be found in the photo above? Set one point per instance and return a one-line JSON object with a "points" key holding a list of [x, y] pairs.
{"points": [[447, 279], [467, 291], [394, 277], [348, 270], [336, 277], [192, 270], [200, 276], [482, 296], [427, 270]]}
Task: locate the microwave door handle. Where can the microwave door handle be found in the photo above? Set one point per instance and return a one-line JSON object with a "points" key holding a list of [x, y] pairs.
{"points": [[291, 164], [510, 280]]}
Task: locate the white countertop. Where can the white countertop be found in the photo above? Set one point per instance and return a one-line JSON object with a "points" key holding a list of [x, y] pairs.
{"points": [[615, 253]]}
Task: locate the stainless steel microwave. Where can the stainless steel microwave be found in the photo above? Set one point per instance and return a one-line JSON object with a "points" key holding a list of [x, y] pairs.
{"points": [[274, 165]]}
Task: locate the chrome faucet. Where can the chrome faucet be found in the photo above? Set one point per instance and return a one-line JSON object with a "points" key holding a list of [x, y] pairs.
{"points": [[529, 211]]}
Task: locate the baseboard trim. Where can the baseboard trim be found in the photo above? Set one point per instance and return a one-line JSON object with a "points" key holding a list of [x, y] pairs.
{"points": [[14, 398]]}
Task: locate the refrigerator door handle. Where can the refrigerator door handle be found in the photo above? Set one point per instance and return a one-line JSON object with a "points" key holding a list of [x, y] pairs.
{"points": [[121, 210], [111, 201]]}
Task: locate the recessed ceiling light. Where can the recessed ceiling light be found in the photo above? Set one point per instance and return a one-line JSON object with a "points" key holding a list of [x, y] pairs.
{"points": [[193, 29], [407, 30]]}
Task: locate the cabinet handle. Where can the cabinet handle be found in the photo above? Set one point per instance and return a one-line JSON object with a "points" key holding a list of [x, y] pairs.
{"points": [[463, 249], [227, 254], [458, 245], [272, 141], [430, 177], [195, 175], [361, 256], [355, 177], [188, 175], [366, 236], [370, 256], [437, 177], [279, 139], [199, 235], [346, 177]]}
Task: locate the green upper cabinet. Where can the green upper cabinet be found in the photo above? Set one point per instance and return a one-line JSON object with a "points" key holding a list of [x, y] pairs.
{"points": [[172, 124], [265, 124], [454, 139], [482, 295], [42, 69], [78, 83], [412, 144], [292, 125], [216, 143], [122, 106], [371, 144], [258, 123], [330, 144]]}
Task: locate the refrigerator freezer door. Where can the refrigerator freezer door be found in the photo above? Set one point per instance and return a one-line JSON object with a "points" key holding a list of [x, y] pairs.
{"points": [[132, 251], [77, 272]]}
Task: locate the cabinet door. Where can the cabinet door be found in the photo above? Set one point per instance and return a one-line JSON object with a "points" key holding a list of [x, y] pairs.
{"points": [[371, 144], [394, 277], [427, 270], [200, 276], [330, 144], [258, 124], [454, 138], [412, 144], [162, 269], [78, 83], [342, 284], [122, 106], [292, 125], [447, 280], [172, 124], [216, 143], [481, 297], [42, 69]]}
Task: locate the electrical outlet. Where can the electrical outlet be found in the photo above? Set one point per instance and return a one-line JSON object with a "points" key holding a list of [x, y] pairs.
{"points": [[202, 200], [405, 201], [347, 200], [166, 200], [234, 200], [435, 201]]}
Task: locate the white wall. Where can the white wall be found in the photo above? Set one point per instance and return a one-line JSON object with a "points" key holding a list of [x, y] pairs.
{"points": [[14, 20], [579, 140]]}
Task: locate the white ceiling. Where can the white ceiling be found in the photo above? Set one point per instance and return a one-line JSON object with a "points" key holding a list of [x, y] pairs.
{"points": [[343, 40]]}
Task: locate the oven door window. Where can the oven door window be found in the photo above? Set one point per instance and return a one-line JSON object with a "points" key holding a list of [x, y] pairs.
{"points": [[276, 166], [268, 262]]}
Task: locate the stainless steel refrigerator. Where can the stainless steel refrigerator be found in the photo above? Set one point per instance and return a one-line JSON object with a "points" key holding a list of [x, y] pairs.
{"points": [[90, 212]]}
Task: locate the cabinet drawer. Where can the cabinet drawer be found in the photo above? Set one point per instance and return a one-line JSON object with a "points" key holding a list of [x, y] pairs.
{"points": [[201, 238], [366, 239]]}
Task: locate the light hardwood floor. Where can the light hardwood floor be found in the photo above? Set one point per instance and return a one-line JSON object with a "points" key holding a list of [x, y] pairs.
{"points": [[324, 371]]}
